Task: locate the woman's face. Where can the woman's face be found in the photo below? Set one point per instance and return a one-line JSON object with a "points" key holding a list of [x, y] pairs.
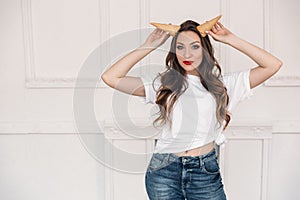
{"points": [[189, 51]]}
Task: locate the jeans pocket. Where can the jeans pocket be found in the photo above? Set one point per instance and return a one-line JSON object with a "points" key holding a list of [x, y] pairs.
{"points": [[211, 166], [158, 161]]}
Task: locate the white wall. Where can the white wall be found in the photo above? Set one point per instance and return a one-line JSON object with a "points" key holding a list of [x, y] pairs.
{"points": [[44, 44]]}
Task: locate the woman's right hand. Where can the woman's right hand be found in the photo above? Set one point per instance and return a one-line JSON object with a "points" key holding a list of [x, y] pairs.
{"points": [[156, 38]]}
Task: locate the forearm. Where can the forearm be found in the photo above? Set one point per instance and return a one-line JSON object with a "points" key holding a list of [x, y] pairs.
{"points": [[123, 66], [258, 55]]}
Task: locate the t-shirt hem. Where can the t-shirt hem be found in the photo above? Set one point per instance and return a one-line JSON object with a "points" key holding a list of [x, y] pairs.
{"points": [[176, 150]]}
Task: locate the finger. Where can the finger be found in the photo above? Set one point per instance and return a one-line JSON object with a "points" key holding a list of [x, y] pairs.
{"points": [[165, 37], [218, 27], [156, 30], [220, 24], [164, 32], [214, 29], [211, 33], [167, 34]]}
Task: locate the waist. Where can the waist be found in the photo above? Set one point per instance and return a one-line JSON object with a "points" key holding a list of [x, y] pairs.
{"points": [[197, 151]]}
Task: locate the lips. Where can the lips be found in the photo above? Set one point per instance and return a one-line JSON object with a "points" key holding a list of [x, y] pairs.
{"points": [[188, 62]]}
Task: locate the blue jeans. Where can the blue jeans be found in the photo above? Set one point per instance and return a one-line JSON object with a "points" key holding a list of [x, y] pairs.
{"points": [[170, 177]]}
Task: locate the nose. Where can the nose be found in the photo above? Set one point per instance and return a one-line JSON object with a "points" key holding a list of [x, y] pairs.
{"points": [[187, 53]]}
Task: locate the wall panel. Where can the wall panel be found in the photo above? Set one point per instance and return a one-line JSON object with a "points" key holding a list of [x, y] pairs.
{"points": [[58, 35], [285, 166]]}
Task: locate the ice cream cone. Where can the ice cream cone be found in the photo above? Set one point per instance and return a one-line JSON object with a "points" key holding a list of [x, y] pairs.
{"points": [[208, 25], [172, 29]]}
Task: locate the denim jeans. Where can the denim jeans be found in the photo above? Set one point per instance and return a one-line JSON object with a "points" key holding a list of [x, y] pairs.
{"points": [[169, 176]]}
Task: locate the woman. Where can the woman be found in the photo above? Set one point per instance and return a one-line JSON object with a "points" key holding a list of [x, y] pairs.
{"points": [[195, 101]]}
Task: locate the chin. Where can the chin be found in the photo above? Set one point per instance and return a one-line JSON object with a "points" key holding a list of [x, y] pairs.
{"points": [[189, 69]]}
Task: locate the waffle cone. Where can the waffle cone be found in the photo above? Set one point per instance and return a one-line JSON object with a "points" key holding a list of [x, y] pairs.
{"points": [[207, 26], [172, 29]]}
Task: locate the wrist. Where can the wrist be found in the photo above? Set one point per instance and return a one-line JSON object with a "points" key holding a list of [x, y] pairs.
{"points": [[231, 39], [146, 46]]}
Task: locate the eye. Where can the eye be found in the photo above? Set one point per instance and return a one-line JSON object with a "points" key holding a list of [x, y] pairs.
{"points": [[179, 47], [196, 46]]}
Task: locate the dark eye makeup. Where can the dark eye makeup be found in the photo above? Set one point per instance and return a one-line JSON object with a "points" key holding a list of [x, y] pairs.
{"points": [[179, 47]]}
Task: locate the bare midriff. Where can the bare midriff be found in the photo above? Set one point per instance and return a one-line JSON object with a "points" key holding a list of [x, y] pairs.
{"points": [[197, 151]]}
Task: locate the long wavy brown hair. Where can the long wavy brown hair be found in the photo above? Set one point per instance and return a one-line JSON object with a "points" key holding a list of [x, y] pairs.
{"points": [[174, 82]]}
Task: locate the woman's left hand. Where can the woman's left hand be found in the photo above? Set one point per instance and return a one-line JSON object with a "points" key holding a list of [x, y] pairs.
{"points": [[220, 33]]}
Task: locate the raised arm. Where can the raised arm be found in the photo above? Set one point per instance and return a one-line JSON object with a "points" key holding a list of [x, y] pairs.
{"points": [[115, 76], [268, 64]]}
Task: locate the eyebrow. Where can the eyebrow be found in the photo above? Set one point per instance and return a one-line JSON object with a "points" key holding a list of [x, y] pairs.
{"points": [[190, 43]]}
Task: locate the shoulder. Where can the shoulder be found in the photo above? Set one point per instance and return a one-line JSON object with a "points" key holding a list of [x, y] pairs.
{"points": [[151, 79], [230, 79], [238, 85]]}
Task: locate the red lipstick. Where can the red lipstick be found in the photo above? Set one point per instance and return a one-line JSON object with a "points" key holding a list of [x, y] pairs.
{"points": [[187, 62]]}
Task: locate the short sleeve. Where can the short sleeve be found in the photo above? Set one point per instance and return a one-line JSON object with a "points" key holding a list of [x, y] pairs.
{"points": [[150, 91], [238, 87]]}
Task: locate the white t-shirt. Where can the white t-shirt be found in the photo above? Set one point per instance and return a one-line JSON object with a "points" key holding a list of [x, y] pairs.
{"points": [[194, 121]]}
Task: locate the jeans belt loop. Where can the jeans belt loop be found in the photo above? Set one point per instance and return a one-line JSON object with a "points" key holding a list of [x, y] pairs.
{"points": [[201, 162]]}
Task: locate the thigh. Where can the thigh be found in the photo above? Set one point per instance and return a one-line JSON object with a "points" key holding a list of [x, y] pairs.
{"points": [[206, 182], [163, 180]]}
